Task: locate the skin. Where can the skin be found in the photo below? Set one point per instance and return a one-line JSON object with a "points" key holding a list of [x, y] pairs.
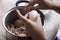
{"points": [[34, 28], [18, 23], [43, 4]]}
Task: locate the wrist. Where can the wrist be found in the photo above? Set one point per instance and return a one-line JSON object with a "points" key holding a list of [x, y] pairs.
{"points": [[50, 4]]}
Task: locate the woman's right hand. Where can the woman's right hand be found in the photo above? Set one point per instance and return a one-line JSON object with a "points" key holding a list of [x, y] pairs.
{"points": [[34, 27]]}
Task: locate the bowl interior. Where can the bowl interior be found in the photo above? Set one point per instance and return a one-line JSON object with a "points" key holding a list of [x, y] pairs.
{"points": [[11, 16]]}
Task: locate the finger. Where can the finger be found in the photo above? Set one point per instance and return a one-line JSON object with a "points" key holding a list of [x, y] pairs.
{"points": [[33, 2], [23, 18], [37, 7], [38, 18], [18, 14], [29, 5], [32, 8], [27, 15]]}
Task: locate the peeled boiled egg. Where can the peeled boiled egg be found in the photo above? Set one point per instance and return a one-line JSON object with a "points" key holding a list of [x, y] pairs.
{"points": [[33, 15]]}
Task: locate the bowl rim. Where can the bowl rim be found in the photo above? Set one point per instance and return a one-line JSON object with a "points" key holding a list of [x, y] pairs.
{"points": [[4, 26], [3, 23]]}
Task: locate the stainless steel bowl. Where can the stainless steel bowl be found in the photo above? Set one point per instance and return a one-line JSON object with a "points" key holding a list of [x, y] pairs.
{"points": [[9, 19]]}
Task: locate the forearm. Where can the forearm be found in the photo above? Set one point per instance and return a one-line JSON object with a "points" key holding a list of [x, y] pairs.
{"points": [[36, 32], [53, 5]]}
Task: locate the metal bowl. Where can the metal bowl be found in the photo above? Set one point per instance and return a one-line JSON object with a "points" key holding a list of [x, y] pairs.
{"points": [[8, 19]]}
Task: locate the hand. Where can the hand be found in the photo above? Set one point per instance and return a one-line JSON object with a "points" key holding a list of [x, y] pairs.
{"points": [[43, 4], [34, 28]]}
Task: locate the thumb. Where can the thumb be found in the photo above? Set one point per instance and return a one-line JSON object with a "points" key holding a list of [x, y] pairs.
{"points": [[27, 15], [38, 18], [23, 18]]}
